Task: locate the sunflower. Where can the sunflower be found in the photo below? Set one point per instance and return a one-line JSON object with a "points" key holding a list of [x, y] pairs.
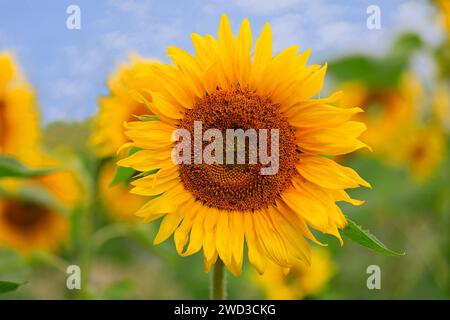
{"points": [[444, 6], [386, 109], [117, 108], [26, 226], [17, 111], [441, 105], [26, 223], [218, 207], [115, 196], [300, 281], [29, 223], [420, 149]]}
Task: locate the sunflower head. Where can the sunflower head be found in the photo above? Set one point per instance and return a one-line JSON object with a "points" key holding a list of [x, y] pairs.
{"points": [[34, 212], [444, 6], [386, 108], [26, 226], [202, 101], [17, 111], [441, 105], [420, 149]]}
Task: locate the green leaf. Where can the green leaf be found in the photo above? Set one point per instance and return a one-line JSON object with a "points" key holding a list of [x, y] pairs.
{"points": [[146, 173], [10, 167], [8, 286], [376, 73], [124, 174], [366, 239], [146, 118], [406, 45]]}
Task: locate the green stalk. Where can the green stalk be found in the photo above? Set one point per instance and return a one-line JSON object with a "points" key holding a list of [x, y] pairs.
{"points": [[87, 229], [218, 283]]}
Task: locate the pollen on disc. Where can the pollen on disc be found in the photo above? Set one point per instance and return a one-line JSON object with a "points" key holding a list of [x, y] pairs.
{"points": [[239, 187]]}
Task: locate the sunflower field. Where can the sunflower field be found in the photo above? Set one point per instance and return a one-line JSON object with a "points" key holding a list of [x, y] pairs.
{"points": [[344, 194]]}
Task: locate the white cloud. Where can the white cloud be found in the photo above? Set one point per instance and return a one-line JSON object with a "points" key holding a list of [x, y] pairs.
{"points": [[86, 65], [419, 17], [425, 67], [267, 6], [132, 7], [288, 30], [328, 29]]}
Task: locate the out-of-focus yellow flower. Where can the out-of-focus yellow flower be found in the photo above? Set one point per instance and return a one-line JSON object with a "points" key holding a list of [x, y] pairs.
{"points": [[386, 110], [120, 203], [444, 6], [108, 136], [441, 105], [118, 107], [420, 149], [19, 119], [300, 281], [219, 207], [26, 224]]}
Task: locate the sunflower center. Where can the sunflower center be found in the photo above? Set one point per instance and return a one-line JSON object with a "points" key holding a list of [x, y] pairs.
{"points": [[419, 152], [23, 215], [239, 186]]}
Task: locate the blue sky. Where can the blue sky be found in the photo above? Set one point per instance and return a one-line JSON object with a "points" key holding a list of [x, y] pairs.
{"points": [[68, 68]]}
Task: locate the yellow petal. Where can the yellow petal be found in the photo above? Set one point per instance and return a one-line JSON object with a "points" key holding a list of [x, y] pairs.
{"points": [[336, 140], [209, 262], [328, 174], [223, 237], [296, 244], [281, 72], [150, 134], [237, 229], [197, 232], [320, 115], [166, 203], [313, 84], [341, 195], [242, 58], [180, 237], [163, 107], [306, 207], [148, 160], [270, 240], [262, 55], [254, 251], [168, 225], [157, 183], [296, 221], [209, 243], [189, 69], [205, 53]]}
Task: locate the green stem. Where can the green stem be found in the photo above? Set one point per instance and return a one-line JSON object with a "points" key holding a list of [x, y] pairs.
{"points": [[86, 253], [107, 233], [87, 229], [218, 284]]}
